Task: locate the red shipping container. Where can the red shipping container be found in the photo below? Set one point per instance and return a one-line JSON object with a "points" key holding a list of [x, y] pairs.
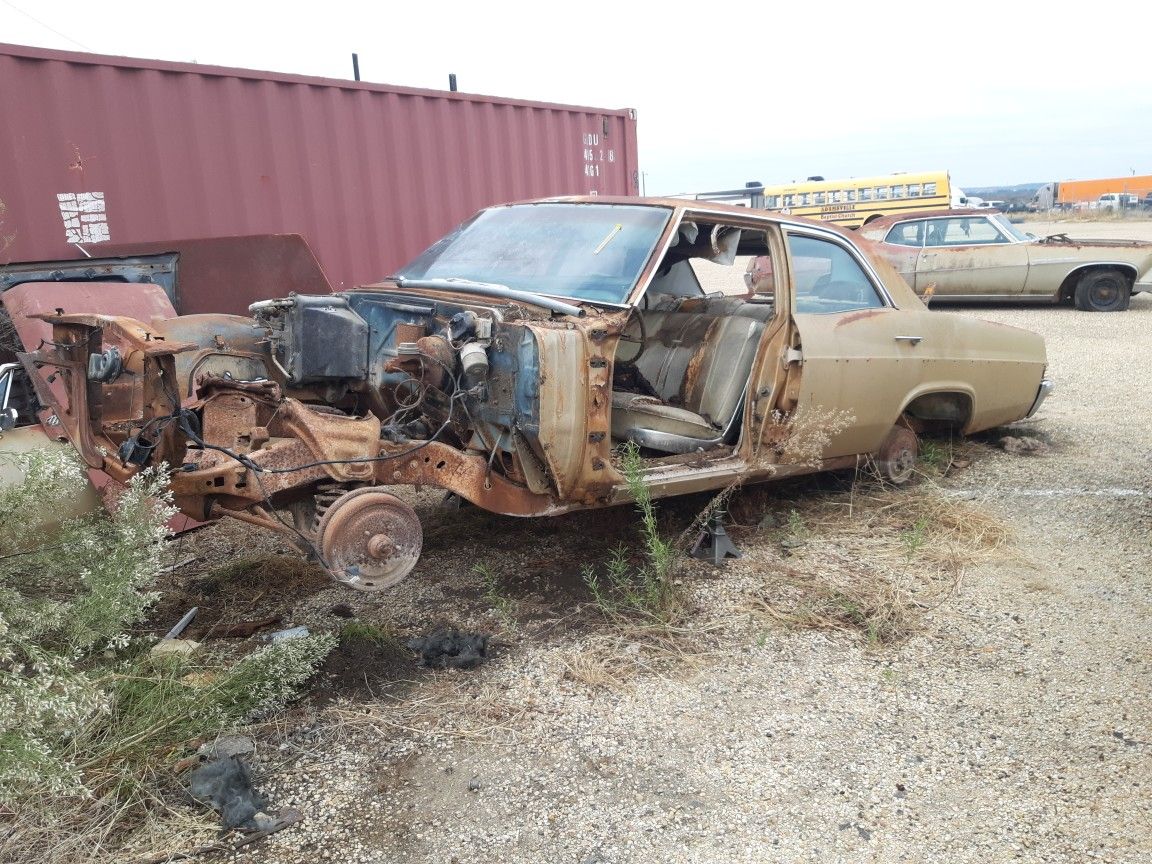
{"points": [[98, 153]]}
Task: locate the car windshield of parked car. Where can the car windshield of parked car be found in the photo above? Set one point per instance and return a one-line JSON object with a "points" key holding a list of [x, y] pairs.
{"points": [[580, 251]]}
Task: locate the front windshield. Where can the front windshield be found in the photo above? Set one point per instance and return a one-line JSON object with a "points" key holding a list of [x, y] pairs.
{"points": [[1003, 223], [581, 251]]}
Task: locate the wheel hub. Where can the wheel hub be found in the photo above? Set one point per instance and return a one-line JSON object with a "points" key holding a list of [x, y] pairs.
{"points": [[370, 539], [897, 455], [1106, 292]]}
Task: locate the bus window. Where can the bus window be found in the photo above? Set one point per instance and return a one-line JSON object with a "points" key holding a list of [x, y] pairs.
{"points": [[851, 194], [866, 194], [835, 196], [818, 198], [881, 192], [929, 189], [913, 190], [789, 200], [898, 191]]}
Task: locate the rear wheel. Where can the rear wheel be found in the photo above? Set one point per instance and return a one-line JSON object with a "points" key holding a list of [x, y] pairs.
{"points": [[1103, 291], [896, 457]]}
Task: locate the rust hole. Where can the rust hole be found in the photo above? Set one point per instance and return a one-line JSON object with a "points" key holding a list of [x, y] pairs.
{"points": [[440, 465]]}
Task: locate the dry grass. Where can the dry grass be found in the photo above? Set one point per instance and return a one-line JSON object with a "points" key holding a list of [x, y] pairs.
{"points": [[613, 661], [599, 670], [448, 705], [872, 564], [53, 831]]}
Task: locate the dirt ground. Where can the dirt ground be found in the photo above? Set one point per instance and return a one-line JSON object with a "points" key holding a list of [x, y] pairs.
{"points": [[1013, 724]]}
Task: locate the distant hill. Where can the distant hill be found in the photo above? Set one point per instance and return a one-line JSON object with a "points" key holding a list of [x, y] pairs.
{"points": [[1019, 192]]}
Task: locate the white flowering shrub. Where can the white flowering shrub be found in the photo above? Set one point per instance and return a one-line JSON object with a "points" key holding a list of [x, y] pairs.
{"points": [[83, 710], [63, 593]]}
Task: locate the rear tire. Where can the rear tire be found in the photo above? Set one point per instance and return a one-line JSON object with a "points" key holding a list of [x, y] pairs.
{"points": [[1103, 291]]}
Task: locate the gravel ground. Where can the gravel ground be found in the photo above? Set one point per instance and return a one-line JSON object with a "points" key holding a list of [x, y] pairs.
{"points": [[1015, 725]]}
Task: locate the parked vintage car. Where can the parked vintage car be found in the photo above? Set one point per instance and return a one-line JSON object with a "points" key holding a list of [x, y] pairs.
{"points": [[965, 255], [511, 362]]}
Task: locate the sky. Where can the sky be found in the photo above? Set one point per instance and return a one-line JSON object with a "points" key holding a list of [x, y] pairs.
{"points": [[996, 93]]}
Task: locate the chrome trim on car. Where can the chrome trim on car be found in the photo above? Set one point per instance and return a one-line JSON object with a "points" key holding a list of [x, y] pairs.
{"points": [[1047, 385], [7, 370]]}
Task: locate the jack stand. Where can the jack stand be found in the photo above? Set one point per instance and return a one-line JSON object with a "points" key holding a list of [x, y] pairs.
{"points": [[714, 544]]}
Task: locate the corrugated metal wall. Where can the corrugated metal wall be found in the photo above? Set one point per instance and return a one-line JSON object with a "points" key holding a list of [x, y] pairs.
{"points": [[99, 149]]}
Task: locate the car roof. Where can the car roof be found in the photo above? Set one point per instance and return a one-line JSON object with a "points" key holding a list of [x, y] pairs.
{"points": [[889, 221], [880, 226], [695, 205], [894, 283]]}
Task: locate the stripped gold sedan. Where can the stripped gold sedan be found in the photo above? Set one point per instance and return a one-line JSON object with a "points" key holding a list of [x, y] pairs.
{"points": [[513, 361]]}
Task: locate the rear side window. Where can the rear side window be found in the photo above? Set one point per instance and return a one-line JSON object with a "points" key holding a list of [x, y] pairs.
{"points": [[828, 278], [906, 234]]}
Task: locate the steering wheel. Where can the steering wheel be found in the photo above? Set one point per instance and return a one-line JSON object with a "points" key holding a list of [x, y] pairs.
{"points": [[633, 333]]}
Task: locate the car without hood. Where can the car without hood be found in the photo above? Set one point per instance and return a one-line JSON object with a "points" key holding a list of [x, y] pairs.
{"points": [[512, 363], [967, 255]]}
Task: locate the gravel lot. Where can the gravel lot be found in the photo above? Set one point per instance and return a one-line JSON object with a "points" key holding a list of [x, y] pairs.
{"points": [[1015, 725]]}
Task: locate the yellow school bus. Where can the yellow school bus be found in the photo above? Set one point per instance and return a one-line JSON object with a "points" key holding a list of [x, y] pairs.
{"points": [[852, 202]]}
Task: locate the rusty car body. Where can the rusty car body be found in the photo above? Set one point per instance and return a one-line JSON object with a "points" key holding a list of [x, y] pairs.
{"points": [[967, 255], [510, 363]]}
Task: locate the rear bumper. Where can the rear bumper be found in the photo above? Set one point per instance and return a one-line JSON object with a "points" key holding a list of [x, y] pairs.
{"points": [[1046, 386]]}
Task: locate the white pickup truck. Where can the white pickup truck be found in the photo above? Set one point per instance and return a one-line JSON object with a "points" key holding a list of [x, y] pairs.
{"points": [[1117, 201]]}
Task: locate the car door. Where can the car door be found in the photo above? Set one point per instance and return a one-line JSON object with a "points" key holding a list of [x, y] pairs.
{"points": [[902, 245], [969, 256], [859, 354]]}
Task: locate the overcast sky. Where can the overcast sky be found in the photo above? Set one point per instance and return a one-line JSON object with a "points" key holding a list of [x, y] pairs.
{"points": [[994, 92]]}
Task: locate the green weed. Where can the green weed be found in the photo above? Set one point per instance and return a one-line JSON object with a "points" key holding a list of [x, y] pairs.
{"points": [[646, 590], [362, 631], [914, 537], [935, 456], [494, 594]]}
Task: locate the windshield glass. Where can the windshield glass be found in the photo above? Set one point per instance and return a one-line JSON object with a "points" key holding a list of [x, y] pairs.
{"points": [[582, 251], [1008, 228]]}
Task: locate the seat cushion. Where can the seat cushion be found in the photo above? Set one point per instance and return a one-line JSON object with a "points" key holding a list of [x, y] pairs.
{"points": [[634, 411]]}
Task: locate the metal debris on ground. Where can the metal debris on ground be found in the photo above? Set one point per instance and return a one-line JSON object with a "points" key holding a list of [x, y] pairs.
{"points": [[450, 649], [183, 623], [244, 629]]}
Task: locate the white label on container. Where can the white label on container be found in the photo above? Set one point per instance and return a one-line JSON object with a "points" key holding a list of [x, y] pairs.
{"points": [[85, 219]]}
